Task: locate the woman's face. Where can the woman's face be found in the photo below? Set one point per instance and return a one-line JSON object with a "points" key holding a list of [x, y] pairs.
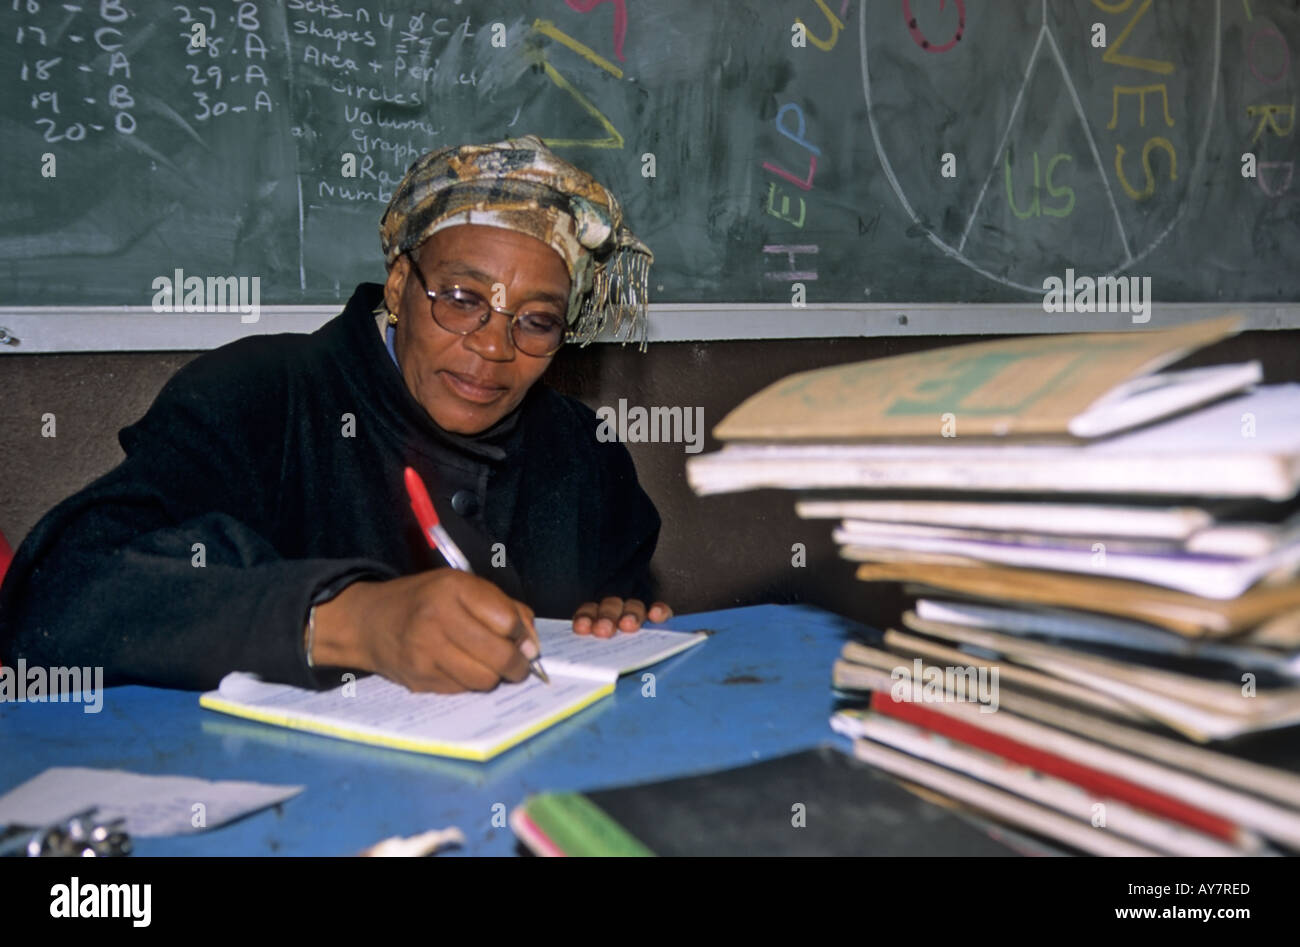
{"points": [[469, 382]]}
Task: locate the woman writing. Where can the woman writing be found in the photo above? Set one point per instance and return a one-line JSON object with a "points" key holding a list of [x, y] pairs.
{"points": [[260, 520]]}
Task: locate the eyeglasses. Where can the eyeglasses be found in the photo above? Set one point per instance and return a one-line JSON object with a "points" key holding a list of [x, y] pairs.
{"points": [[535, 332]]}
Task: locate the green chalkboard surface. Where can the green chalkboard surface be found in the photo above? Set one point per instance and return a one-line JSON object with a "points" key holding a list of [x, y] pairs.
{"points": [[881, 151]]}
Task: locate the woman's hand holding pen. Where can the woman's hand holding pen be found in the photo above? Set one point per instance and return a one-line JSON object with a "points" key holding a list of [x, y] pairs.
{"points": [[444, 631], [616, 614]]}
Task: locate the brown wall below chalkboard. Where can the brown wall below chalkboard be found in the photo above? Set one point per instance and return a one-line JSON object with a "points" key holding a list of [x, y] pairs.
{"points": [[714, 552]]}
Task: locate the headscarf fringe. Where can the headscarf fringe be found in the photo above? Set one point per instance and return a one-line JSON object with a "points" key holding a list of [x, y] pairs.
{"points": [[618, 299]]}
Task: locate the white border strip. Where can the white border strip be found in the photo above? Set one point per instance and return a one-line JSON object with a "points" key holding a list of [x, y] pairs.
{"points": [[41, 329]]}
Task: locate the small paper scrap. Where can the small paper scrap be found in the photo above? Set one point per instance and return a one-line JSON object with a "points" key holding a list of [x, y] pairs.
{"points": [[152, 805]]}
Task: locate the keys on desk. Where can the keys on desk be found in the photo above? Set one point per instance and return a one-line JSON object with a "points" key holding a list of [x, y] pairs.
{"points": [[78, 836]]}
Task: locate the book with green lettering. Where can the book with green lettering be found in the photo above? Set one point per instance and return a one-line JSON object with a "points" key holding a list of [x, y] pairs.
{"points": [[1046, 386], [813, 802]]}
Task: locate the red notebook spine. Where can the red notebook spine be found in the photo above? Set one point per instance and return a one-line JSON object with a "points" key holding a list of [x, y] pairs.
{"points": [[1086, 777]]}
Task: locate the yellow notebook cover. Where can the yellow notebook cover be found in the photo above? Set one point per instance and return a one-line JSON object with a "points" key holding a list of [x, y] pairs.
{"points": [[374, 710]]}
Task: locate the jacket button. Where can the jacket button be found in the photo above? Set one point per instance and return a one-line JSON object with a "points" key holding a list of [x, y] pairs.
{"points": [[464, 502]]}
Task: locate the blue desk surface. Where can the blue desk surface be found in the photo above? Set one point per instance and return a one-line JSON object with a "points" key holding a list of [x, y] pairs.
{"points": [[758, 688]]}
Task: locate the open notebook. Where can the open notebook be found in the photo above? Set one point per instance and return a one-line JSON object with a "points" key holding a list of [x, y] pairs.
{"points": [[473, 726]]}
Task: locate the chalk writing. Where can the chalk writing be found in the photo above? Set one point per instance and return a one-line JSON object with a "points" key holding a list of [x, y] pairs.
{"points": [[1114, 55], [799, 135], [919, 37], [1273, 122], [1036, 208], [836, 24], [790, 251], [620, 19]]}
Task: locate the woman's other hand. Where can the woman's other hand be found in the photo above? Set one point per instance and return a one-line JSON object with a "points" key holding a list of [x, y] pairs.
{"points": [[612, 614]]}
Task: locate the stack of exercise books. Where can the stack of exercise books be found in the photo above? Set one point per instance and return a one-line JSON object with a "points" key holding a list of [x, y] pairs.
{"points": [[1103, 561]]}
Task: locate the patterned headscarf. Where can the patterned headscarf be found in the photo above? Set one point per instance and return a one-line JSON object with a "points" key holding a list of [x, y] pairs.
{"points": [[521, 185]]}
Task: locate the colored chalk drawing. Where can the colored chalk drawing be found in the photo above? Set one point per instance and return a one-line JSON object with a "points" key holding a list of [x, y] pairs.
{"points": [[614, 139], [1122, 131]]}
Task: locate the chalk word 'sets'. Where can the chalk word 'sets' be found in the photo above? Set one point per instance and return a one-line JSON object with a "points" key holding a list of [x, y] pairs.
{"points": [[1103, 294], [181, 293], [934, 685], [56, 685], [659, 425]]}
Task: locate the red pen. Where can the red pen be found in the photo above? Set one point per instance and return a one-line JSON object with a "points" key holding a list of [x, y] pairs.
{"points": [[434, 532], [440, 541]]}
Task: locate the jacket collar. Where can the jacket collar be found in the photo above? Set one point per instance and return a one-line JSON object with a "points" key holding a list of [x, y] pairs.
{"points": [[363, 357]]}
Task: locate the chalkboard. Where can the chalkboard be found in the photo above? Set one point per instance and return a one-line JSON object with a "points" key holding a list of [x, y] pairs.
{"points": [[891, 151]]}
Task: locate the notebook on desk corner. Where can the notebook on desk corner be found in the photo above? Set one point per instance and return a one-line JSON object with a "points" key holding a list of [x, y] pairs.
{"points": [[814, 802]]}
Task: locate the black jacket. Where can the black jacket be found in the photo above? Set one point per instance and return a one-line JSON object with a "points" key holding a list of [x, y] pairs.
{"points": [[282, 456]]}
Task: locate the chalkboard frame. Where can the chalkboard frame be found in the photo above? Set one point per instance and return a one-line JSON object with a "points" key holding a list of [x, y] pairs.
{"points": [[44, 330]]}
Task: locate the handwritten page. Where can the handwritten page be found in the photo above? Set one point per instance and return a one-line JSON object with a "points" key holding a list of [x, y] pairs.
{"points": [[389, 714], [152, 805], [570, 653], [478, 725]]}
